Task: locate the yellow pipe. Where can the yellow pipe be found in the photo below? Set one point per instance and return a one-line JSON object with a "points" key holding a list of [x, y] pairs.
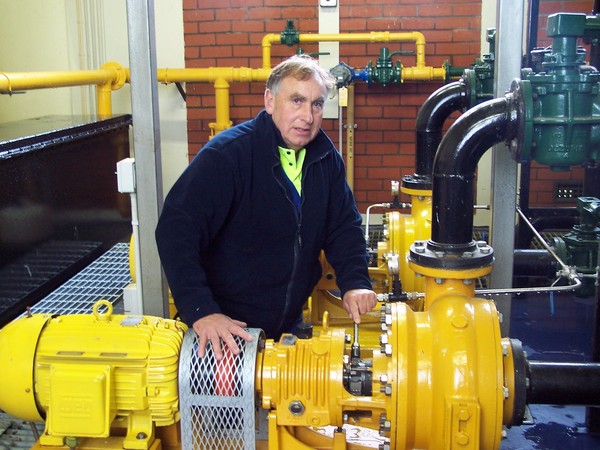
{"points": [[350, 137], [374, 36], [427, 73], [112, 76], [109, 77], [222, 107], [212, 74], [267, 40], [220, 77]]}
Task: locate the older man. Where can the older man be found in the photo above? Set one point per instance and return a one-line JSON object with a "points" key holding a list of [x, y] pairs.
{"points": [[242, 229]]}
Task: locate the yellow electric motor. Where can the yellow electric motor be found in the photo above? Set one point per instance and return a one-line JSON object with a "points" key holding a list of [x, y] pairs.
{"points": [[87, 375]]}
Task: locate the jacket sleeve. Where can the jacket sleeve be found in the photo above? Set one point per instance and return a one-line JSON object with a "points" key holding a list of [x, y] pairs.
{"points": [[194, 211], [345, 245]]}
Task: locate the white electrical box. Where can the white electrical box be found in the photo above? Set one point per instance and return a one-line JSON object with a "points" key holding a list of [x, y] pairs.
{"points": [[328, 3], [126, 176]]}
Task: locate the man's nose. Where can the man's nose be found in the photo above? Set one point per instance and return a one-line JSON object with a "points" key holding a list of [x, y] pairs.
{"points": [[307, 113]]}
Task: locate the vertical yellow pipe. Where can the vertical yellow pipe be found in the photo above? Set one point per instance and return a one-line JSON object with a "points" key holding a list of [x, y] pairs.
{"points": [[221, 106], [116, 77], [266, 49], [350, 137], [104, 98]]}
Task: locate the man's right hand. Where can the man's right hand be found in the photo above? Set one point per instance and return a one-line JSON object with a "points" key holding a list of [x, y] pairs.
{"points": [[216, 328]]}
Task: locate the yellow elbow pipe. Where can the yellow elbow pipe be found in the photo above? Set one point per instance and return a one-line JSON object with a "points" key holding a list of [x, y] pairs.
{"points": [[109, 77], [266, 48]]}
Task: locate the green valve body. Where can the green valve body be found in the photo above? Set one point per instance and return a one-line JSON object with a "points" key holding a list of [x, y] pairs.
{"points": [[579, 247], [563, 100]]}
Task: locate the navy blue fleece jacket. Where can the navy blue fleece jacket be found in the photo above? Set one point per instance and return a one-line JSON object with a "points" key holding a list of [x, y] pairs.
{"points": [[232, 242]]}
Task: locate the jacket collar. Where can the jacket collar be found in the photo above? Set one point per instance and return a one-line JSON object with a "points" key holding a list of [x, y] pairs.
{"points": [[316, 149]]}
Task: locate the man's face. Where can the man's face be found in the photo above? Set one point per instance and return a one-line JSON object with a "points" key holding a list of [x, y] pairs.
{"points": [[297, 110]]}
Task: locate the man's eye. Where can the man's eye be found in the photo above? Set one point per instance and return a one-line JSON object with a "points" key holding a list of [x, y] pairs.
{"points": [[318, 105]]}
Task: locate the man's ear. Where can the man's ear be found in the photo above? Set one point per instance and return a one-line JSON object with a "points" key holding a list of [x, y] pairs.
{"points": [[269, 99]]}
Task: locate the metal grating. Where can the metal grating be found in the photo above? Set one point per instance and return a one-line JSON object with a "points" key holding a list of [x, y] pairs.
{"points": [[217, 398], [38, 272], [104, 279], [18, 434]]}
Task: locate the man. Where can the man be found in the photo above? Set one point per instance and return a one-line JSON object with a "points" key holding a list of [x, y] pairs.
{"points": [[242, 229]]}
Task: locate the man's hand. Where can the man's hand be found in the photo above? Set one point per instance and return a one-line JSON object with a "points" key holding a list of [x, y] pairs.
{"points": [[216, 328], [359, 301]]}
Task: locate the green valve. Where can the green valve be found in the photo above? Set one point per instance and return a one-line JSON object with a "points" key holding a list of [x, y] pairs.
{"points": [[562, 100], [290, 36], [581, 244], [384, 71]]}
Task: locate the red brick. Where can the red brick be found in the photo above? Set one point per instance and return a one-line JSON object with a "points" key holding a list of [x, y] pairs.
{"points": [[435, 10], [215, 26]]}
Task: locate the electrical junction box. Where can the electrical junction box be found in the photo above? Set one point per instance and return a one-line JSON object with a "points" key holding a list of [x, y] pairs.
{"points": [[126, 176]]}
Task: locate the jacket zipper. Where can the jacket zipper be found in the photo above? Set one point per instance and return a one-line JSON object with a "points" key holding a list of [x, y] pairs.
{"points": [[298, 241]]}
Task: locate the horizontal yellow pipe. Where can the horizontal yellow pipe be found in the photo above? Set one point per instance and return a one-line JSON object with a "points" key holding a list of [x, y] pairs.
{"points": [[426, 73], [212, 74], [374, 36], [110, 74]]}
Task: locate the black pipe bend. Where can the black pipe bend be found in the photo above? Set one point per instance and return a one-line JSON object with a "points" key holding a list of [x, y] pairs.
{"points": [[430, 122], [455, 163]]}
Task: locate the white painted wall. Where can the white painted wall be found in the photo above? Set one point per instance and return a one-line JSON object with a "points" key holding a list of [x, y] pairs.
{"points": [[69, 35]]}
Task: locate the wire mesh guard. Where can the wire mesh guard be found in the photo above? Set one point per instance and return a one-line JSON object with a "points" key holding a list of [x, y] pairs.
{"points": [[217, 398]]}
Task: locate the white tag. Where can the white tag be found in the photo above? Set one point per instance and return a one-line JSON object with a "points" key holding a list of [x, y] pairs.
{"points": [[343, 96]]}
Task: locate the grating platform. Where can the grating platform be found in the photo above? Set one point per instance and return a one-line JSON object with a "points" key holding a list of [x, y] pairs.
{"points": [[39, 271], [18, 434], [104, 279]]}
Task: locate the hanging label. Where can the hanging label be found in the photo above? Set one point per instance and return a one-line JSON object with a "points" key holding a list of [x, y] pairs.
{"points": [[343, 96]]}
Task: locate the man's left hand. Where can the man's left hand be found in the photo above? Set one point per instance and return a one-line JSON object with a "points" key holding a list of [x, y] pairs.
{"points": [[358, 302]]}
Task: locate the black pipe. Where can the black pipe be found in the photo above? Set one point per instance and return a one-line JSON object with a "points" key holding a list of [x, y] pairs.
{"points": [[556, 383], [534, 263], [430, 122], [455, 164]]}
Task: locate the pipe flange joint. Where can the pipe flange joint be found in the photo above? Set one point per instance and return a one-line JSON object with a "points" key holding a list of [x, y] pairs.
{"points": [[120, 77], [472, 255], [470, 81], [521, 107], [417, 181]]}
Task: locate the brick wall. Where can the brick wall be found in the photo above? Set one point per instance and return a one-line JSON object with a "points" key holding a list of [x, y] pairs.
{"points": [[228, 33]]}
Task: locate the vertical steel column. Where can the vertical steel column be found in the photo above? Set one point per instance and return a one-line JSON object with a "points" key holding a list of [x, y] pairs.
{"points": [[146, 149], [509, 48]]}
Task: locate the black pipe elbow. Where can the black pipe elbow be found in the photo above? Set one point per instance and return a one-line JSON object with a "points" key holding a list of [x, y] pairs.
{"points": [[455, 165], [430, 122]]}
